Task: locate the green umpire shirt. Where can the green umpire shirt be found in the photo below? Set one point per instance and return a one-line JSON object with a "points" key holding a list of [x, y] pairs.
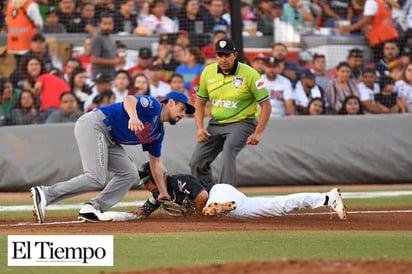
{"points": [[233, 97]]}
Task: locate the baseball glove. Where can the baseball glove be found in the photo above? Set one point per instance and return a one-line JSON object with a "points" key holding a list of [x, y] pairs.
{"points": [[172, 208]]}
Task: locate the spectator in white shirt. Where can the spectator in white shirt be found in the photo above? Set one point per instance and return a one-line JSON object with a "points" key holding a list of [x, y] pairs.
{"points": [[121, 82], [367, 90], [306, 89], [158, 88], [279, 87], [157, 22], [125, 63], [103, 82]]}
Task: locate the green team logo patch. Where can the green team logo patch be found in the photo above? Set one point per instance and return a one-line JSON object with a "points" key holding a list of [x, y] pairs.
{"points": [[237, 81]]}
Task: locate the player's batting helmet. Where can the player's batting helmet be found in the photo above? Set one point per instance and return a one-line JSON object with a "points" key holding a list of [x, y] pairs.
{"points": [[145, 174]]}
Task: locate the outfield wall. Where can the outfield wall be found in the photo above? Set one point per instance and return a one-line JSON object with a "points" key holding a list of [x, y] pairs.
{"points": [[301, 150]]}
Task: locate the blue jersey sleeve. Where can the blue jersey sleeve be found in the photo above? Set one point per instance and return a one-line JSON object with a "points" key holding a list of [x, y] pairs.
{"points": [[154, 148]]}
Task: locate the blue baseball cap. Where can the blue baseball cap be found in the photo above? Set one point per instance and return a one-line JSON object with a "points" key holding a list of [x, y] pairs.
{"points": [[180, 97], [308, 73]]}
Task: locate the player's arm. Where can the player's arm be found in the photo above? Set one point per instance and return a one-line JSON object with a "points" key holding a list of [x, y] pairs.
{"points": [[257, 87], [147, 208], [157, 170], [265, 110], [202, 133], [130, 105], [200, 200], [200, 105]]}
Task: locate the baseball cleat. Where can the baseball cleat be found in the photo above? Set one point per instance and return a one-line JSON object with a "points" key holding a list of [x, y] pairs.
{"points": [[39, 203], [216, 208], [336, 204], [89, 214]]}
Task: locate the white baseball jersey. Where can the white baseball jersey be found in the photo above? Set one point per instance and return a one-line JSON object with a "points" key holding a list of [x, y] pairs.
{"points": [[264, 206]]}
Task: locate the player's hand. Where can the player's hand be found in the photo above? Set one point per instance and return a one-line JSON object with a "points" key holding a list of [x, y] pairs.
{"points": [[203, 135], [253, 139], [138, 212], [164, 197], [136, 125]]}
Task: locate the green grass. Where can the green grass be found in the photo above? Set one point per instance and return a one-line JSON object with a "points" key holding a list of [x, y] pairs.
{"points": [[145, 251], [398, 201]]}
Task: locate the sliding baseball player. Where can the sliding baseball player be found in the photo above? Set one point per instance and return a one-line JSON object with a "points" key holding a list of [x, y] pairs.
{"points": [[189, 197]]}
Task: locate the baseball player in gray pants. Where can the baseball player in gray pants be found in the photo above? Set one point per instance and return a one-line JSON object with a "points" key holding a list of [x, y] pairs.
{"points": [[99, 135]]}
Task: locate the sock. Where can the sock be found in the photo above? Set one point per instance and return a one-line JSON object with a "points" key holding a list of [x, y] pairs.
{"points": [[326, 200]]}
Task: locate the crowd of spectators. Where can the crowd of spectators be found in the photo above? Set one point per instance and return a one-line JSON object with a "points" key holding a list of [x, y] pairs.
{"points": [[43, 90]]}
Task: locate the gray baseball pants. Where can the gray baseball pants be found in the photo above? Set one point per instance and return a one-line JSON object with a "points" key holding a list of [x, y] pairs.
{"points": [[229, 139], [99, 154]]}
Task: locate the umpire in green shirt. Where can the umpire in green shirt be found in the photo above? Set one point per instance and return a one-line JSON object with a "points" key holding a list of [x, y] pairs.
{"points": [[234, 90]]}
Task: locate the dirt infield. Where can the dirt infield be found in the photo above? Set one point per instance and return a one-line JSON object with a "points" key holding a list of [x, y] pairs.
{"points": [[158, 223], [161, 223]]}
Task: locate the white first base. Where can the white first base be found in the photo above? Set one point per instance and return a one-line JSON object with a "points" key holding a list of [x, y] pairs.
{"points": [[120, 216]]}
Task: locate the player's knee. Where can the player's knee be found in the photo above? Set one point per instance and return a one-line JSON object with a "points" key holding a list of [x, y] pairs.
{"points": [[291, 205], [132, 174], [231, 150], [96, 180], [193, 162]]}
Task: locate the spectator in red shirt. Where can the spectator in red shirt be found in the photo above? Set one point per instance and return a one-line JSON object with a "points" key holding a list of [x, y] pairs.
{"points": [[85, 57], [145, 60], [48, 88]]}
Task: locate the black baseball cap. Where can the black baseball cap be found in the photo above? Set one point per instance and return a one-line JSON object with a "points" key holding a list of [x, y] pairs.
{"points": [[355, 52], [180, 97], [145, 53], [273, 62], [103, 78], [225, 45], [38, 37]]}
